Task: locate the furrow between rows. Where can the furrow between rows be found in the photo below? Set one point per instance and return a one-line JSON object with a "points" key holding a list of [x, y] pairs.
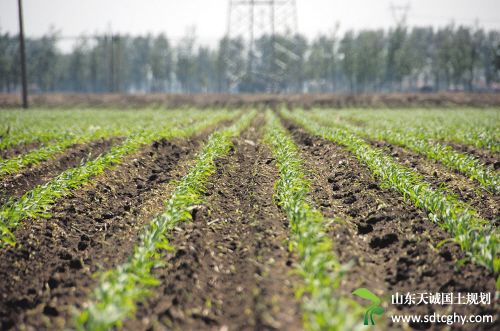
{"points": [[476, 236], [389, 245], [38, 202], [92, 229], [18, 149], [120, 289], [230, 267]]}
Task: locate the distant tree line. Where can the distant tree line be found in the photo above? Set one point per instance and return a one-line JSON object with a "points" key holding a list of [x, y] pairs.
{"points": [[399, 59]]}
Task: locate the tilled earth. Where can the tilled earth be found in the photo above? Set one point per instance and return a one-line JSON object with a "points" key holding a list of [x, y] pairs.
{"points": [[91, 229], [390, 245], [231, 268]]}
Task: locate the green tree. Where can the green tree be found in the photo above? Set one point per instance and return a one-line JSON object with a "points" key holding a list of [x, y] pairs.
{"points": [[321, 64], [161, 64], [347, 56], [186, 62], [369, 60]]}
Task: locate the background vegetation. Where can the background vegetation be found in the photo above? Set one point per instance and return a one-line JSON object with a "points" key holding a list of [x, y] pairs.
{"points": [[400, 59]]}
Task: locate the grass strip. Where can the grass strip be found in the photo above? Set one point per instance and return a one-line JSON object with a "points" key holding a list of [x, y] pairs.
{"points": [[477, 237], [39, 201], [419, 143], [121, 288], [321, 272]]}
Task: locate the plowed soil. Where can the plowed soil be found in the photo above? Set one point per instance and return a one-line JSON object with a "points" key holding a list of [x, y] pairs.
{"points": [[19, 183], [231, 269], [93, 229], [389, 243]]}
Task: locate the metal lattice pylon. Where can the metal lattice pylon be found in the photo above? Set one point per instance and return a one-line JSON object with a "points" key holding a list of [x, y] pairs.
{"points": [[249, 20], [400, 13]]}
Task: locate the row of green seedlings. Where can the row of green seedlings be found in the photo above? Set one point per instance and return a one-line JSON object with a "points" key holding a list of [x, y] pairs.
{"points": [[44, 125], [39, 201], [54, 147], [478, 137], [119, 289], [8, 140], [419, 143], [41, 126], [63, 142], [477, 237], [323, 307], [460, 126]]}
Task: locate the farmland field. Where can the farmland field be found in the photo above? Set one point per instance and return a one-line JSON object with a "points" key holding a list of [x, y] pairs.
{"points": [[195, 219]]}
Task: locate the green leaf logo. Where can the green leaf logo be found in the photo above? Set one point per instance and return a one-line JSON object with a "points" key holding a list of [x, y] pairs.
{"points": [[373, 308]]}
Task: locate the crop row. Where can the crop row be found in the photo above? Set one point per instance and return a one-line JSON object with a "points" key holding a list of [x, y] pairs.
{"points": [[321, 272], [419, 143], [48, 151], [460, 126], [9, 140], [476, 236], [38, 202], [119, 289], [79, 120], [60, 143], [50, 126]]}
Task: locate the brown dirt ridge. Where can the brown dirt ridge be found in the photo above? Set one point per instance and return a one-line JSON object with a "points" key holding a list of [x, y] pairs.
{"points": [[204, 100], [389, 243], [230, 269], [93, 229]]}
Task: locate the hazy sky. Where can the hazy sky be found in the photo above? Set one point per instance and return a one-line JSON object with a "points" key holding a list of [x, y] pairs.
{"points": [[173, 17]]}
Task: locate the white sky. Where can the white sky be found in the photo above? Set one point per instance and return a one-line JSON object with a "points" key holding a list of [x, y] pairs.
{"points": [[173, 17]]}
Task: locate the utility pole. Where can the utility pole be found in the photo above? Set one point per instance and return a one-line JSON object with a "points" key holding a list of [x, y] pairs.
{"points": [[22, 49]]}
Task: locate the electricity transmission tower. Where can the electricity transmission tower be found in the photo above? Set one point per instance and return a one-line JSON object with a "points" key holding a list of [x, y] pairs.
{"points": [[400, 13], [250, 23]]}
